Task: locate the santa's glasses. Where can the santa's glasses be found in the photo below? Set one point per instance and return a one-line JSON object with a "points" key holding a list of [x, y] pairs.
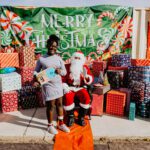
{"points": [[77, 58]]}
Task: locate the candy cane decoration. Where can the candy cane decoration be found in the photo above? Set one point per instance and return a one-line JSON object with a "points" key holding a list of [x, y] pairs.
{"points": [[104, 14]]}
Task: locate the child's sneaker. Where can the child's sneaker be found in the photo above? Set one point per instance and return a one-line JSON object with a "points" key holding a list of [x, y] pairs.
{"points": [[64, 128], [51, 129]]}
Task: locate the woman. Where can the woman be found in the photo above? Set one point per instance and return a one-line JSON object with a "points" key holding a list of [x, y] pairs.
{"points": [[53, 90]]}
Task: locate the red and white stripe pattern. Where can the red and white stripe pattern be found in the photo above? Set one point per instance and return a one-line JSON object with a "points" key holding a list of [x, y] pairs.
{"points": [[10, 21], [9, 60], [104, 14]]}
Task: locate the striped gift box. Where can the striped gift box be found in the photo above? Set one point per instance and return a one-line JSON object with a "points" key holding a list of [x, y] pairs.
{"points": [[9, 60], [140, 62]]}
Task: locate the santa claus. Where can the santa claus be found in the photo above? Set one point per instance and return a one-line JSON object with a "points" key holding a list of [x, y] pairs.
{"points": [[74, 85]]}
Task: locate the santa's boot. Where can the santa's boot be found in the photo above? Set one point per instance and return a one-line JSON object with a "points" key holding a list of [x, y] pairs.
{"points": [[70, 118], [82, 113]]}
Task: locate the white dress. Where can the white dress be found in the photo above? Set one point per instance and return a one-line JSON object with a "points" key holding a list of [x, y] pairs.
{"points": [[53, 89]]}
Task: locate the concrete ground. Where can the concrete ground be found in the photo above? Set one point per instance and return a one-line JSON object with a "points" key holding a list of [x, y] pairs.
{"points": [[30, 125]]}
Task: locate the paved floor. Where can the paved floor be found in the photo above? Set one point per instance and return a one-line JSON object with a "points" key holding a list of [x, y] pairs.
{"points": [[30, 123]]}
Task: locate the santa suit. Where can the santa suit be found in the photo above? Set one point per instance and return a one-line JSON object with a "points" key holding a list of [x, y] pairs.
{"points": [[76, 88]]}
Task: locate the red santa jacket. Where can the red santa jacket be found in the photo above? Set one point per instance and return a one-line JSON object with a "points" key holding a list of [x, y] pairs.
{"points": [[83, 81]]}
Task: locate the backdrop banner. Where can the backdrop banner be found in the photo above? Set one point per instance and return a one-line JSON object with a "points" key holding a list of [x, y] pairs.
{"points": [[98, 31]]}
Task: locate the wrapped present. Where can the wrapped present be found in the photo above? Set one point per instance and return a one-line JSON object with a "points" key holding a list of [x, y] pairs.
{"points": [[128, 97], [26, 56], [101, 89], [97, 104], [119, 60], [99, 66], [9, 101], [26, 75], [139, 73], [137, 90], [9, 60], [140, 62], [132, 111], [10, 82], [27, 97], [116, 78], [125, 70], [115, 103], [143, 109]]}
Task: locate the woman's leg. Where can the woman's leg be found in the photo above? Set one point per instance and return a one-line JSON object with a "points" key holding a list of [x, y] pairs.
{"points": [[50, 105], [59, 108]]}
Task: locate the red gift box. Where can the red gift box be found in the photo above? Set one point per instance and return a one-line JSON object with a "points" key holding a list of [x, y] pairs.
{"points": [[140, 62], [115, 103], [26, 75], [9, 101], [98, 66], [26, 56], [97, 104]]}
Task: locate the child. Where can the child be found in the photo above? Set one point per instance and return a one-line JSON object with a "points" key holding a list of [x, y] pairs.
{"points": [[53, 90]]}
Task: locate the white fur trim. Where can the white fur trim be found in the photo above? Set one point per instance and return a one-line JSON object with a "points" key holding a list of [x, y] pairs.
{"points": [[70, 107], [90, 80], [60, 117], [85, 106], [80, 55]]}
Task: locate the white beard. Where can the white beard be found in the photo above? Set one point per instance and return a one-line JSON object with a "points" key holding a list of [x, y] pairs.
{"points": [[76, 69]]}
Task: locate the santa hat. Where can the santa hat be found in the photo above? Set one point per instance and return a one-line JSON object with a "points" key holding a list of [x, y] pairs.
{"points": [[80, 55]]}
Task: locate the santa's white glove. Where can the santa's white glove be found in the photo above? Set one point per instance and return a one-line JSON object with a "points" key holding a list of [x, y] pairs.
{"points": [[85, 75], [66, 88]]}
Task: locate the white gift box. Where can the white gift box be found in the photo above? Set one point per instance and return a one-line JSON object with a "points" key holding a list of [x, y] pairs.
{"points": [[9, 82]]}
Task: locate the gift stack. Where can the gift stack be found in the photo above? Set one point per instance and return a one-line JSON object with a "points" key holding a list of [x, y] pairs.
{"points": [[139, 79], [10, 81], [118, 70], [27, 95]]}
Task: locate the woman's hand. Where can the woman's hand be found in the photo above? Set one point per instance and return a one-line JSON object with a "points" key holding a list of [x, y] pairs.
{"points": [[58, 71]]}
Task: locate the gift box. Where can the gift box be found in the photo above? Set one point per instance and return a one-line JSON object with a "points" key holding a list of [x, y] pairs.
{"points": [[10, 82], [27, 97], [125, 72], [101, 89], [26, 75], [99, 66], [139, 73], [116, 78], [119, 60], [115, 103], [128, 97], [137, 90], [9, 60], [97, 104], [26, 56], [132, 111], [9, 101], [140, 62], [39, 96]]}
